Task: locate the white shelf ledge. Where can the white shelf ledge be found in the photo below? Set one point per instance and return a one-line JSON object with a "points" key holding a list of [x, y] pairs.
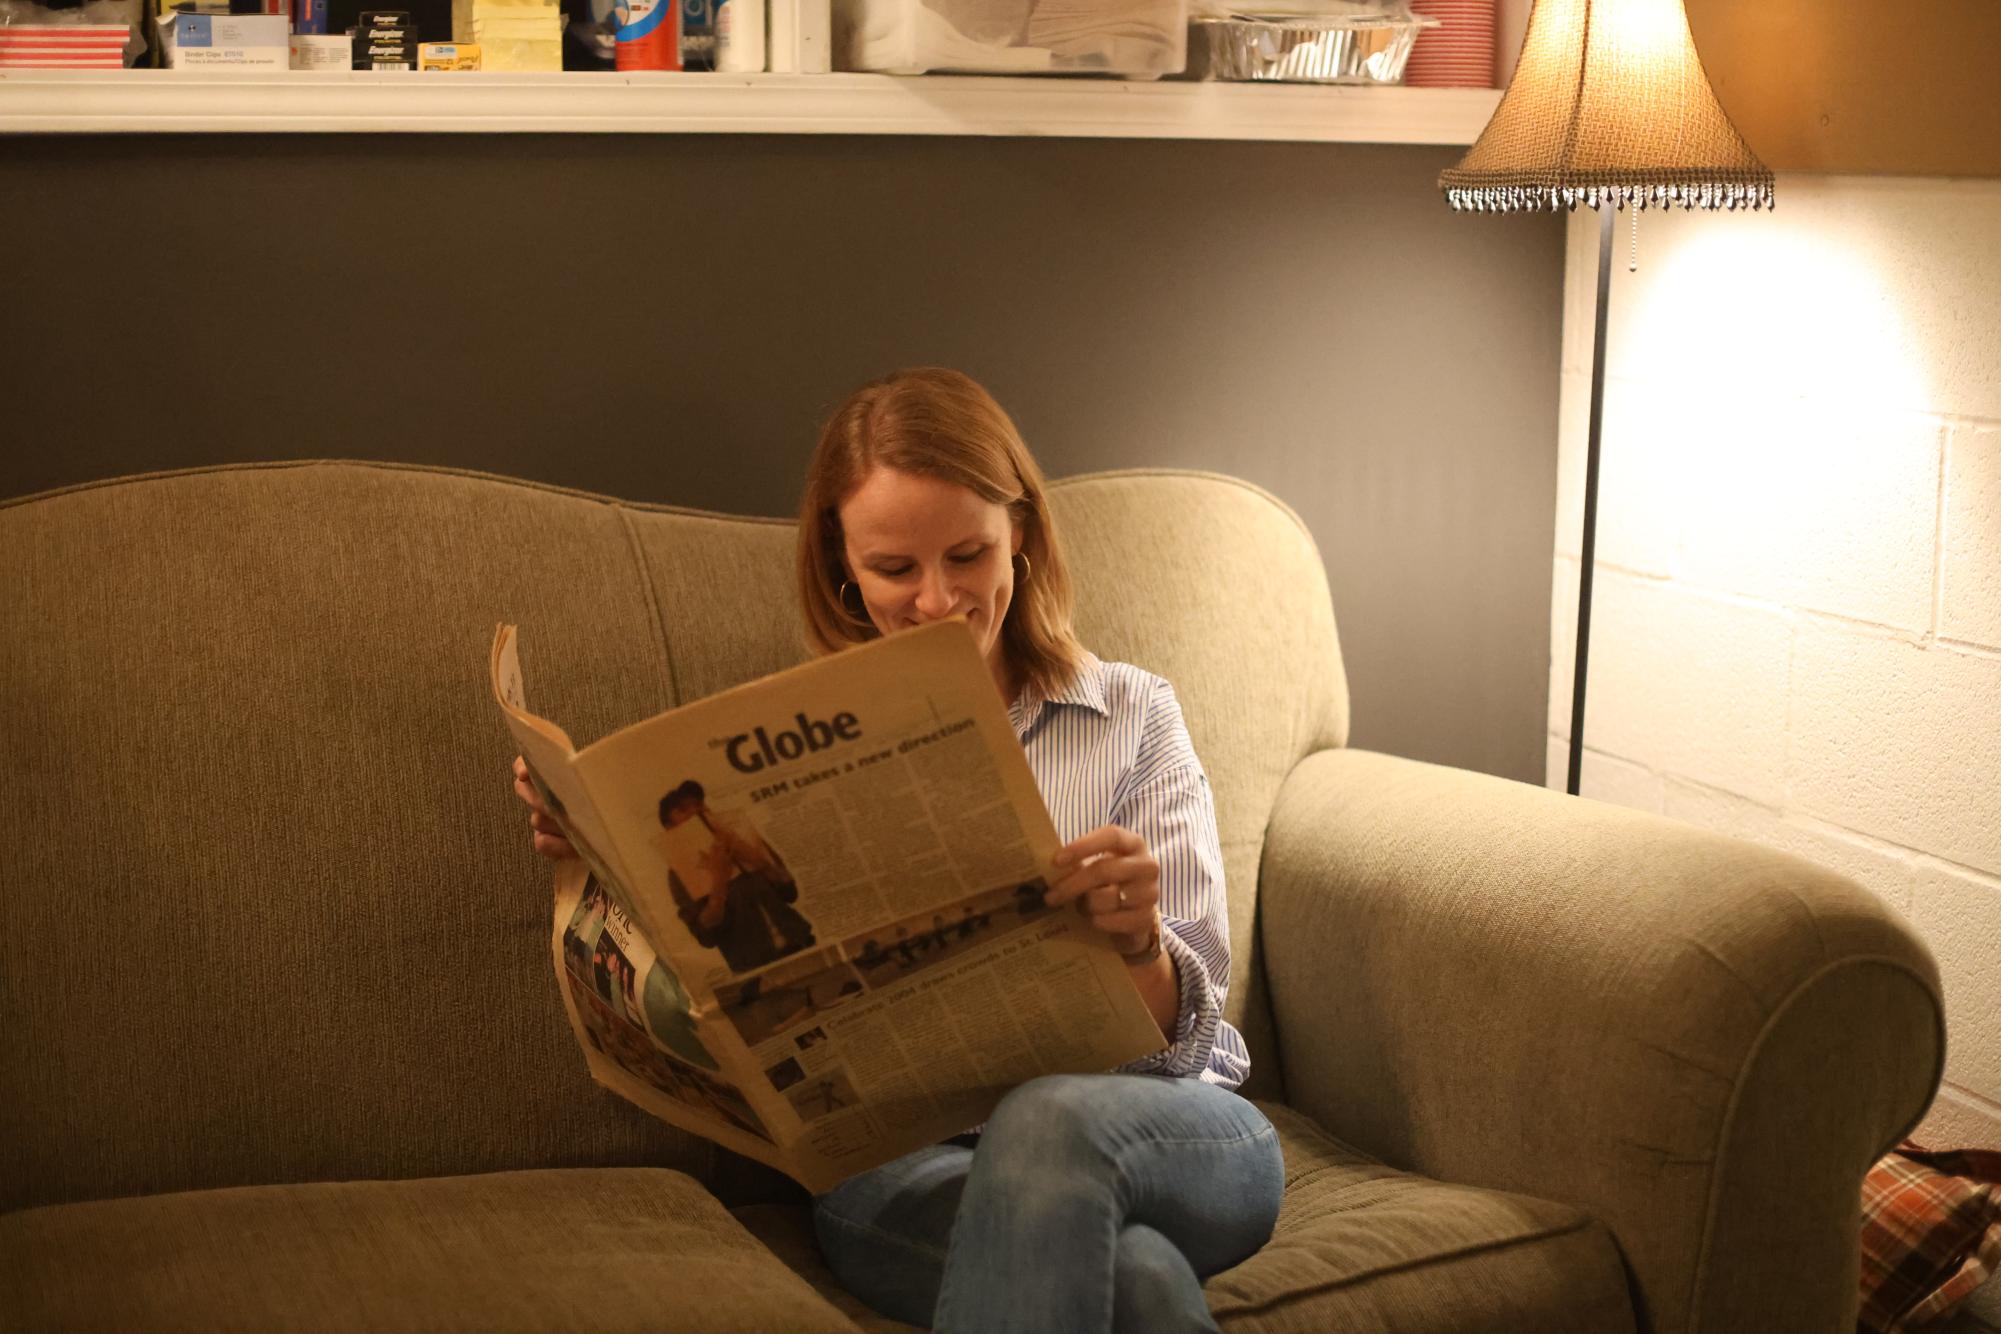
{"points": [[161, 101]]}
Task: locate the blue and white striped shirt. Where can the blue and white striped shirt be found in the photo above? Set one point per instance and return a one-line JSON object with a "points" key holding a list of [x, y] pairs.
{"points": [[1111, 748]]}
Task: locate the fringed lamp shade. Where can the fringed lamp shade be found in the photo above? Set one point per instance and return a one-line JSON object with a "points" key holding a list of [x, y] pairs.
{"points": [[1608, 107]]}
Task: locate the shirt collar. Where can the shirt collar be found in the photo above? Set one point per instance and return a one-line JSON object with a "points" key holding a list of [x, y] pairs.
{"points": [[1085, 690]]}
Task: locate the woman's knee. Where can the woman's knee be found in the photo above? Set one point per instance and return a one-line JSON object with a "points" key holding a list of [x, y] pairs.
{"points": [[1154, 1288], [1048, 1118]]}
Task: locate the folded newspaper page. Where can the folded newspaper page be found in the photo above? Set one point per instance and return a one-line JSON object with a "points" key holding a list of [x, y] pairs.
{"points": [[806, 921]]}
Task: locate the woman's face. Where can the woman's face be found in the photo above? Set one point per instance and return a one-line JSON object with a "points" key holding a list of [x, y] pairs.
{"points": [[920, 550]]}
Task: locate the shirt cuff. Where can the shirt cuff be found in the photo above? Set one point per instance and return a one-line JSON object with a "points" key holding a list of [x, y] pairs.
{"points": [[1195, 1026]]}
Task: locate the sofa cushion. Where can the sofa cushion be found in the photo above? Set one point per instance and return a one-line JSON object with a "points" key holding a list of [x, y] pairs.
{"points": [[606, 1249], [1361, 1247]]}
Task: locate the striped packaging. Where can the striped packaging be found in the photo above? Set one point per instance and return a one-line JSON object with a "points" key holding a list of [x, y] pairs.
{"points": [[63, 45], [1459, 53]]}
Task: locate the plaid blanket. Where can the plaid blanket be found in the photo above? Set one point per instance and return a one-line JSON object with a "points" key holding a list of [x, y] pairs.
{"points": [[1931, 1235]]}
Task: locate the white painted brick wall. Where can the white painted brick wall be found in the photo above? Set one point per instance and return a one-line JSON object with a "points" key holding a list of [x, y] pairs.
{"points": [[1960, 915], [1807, 504], [1606, 778], [1899, 740], [1689, 683], [1796, 629], [1970, 567]]}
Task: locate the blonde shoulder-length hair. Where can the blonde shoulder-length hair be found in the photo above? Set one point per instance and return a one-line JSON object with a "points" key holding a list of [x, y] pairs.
{"points": [[936, 423]]}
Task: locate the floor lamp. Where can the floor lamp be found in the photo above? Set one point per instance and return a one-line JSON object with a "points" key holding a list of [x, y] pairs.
{"points": [[1609, 108]]}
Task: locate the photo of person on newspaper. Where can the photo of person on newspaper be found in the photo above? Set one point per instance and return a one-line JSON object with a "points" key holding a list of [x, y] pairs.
{"points": [[922, 503], [732, 889]]}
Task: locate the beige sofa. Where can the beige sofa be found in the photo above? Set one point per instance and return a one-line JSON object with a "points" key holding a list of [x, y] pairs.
{"points": [[283, 1049]]}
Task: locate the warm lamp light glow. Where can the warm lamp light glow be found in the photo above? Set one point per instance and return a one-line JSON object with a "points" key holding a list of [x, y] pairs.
{"points": [[1835, 331], [1608, 106]]}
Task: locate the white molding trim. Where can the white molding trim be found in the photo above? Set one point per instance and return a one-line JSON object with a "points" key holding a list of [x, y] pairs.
{"points": [[160, 101]]}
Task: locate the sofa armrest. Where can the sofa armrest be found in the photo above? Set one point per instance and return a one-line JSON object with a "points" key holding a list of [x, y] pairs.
{"points": [[1701, 1042]]}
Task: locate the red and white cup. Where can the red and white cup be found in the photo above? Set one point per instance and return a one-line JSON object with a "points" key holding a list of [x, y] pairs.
{"points": [[1459, 52]]}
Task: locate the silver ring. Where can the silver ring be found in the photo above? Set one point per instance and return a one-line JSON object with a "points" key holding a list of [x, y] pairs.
{"points": [[1122, 897]]}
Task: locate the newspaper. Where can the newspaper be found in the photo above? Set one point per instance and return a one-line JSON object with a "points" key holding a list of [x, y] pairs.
{"points": [[806, 920]]}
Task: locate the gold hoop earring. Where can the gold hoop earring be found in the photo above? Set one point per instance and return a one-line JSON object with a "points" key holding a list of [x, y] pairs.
{"points": [[1022, 556], [842, 596]]}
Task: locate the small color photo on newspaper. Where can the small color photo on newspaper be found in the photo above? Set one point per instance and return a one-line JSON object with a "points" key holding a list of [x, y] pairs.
{"points": [[730, 887]]}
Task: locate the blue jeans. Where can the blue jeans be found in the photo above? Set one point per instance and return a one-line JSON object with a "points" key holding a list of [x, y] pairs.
{"points": [[1091, 1202]]}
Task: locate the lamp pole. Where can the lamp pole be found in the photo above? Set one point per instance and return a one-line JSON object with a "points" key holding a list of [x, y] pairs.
{"points": [[1588, 553]]}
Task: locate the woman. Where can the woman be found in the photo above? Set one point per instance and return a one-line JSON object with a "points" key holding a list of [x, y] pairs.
{"points": [[1086, 1202]]}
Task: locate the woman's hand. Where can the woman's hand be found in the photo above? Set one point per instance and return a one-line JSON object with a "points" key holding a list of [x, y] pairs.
{"points": [[1114, 881], [545, 835]]}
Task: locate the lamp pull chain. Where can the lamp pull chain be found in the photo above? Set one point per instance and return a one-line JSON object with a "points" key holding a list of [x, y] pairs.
{"points": [[1633, 256]]}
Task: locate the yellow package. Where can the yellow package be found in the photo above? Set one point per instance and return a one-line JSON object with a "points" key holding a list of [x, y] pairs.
{"points": [[520, 54], [466, 12], [447, 55]]}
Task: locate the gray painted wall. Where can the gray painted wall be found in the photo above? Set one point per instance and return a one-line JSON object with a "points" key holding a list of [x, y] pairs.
{"points": [[667, 318]]}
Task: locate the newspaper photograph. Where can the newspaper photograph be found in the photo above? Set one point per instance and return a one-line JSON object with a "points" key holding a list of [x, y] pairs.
{"points": [[806, 918]]}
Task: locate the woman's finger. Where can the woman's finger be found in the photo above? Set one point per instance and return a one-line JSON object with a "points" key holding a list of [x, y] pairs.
{"points": [[522, 776], [1065, 888], [1104, 869], [1106, 900], [1109, 838], [1132, 872], [526, 791]]}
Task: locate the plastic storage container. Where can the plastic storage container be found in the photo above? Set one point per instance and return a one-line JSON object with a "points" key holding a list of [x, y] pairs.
{"points": [[1139, 39]]}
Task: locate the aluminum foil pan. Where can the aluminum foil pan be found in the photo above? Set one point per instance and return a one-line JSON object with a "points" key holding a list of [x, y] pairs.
{"points": [[1365, 48]]}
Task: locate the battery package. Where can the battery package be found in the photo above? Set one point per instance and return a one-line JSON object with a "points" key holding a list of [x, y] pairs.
{"points": [[386, 40]]}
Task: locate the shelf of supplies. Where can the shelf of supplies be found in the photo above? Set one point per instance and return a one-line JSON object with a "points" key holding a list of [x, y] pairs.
{"points": [[177, 101]]}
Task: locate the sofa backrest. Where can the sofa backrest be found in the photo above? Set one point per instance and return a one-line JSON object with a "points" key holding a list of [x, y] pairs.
{"points": [[271, 913]]}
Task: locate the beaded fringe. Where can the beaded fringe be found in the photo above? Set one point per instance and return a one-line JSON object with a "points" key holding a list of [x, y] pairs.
{"points": [[1525, 198]]}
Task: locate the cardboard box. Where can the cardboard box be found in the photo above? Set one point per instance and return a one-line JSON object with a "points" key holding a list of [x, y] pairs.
{"points": [[226, 41], [447, 55], [322, 51]]}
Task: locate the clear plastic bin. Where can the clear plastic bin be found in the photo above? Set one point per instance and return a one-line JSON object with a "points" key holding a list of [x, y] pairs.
{"points": [[1138, 39]]}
